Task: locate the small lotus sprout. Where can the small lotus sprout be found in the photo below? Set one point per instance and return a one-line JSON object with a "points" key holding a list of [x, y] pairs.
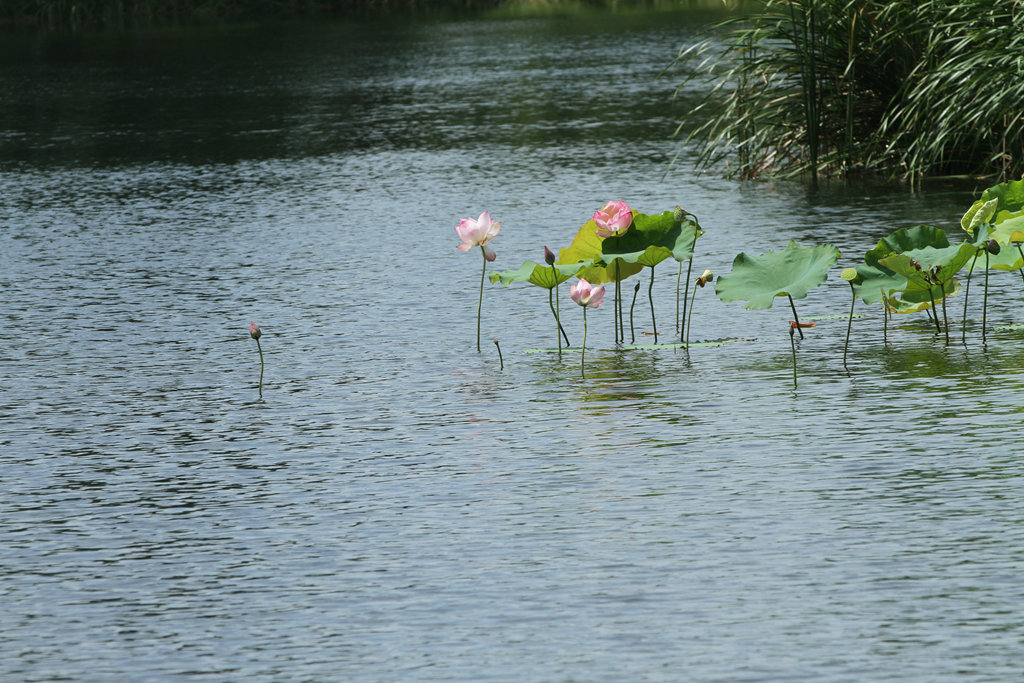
{"points": [[632, 334], [706, 277], [501, 360], [477, 233], [256, 333], [587, 296]]}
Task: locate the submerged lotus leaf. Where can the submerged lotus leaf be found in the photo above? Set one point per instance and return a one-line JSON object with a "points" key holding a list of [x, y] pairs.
{"points": [[874, 278], [1008, 201], [538, 274], [759, 279]]}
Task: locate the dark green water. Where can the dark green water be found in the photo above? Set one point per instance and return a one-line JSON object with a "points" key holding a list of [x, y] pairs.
{"points": [[397, 508]]}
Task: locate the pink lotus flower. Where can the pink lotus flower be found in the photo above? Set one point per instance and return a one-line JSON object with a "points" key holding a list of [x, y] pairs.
{"points": [[476, 233], [254, 331], [614, 218], [586, 294]]}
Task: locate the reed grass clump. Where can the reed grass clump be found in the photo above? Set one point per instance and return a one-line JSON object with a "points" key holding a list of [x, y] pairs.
{"points": [[841, 87]]}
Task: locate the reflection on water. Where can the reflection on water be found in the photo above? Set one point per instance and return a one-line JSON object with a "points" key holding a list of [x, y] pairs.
{"points": [[397, 507]]}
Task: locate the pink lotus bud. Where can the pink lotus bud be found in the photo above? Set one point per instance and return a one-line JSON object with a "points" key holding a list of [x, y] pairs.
{"points": [[254, 331], [586, 294], [549, 257]]}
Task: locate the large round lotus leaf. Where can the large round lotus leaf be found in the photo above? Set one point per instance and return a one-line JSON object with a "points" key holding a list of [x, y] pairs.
{"points": [[950, 260], [874, 278], [1009, 203], [538, 274], [672, 232], [587, 248], [759, 279]]}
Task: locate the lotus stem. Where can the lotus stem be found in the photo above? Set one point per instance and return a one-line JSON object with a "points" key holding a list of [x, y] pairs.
{"points": [[583, 349], [480, 303], [689, 269], [796, 318], [620, 334], [558, 311], [558, 328], [632, 334], [686, 339], [931, 297], [885, 319], [945, 318], [984, 305], [260, 349], [679, 277], [792, 344], [500, 359], [650, 298], [849, 323], [967, 292], [1017, 244]]}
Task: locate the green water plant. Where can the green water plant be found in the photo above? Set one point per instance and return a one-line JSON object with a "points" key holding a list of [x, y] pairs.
{"points": [[546, 276], [632, 334], [791, 273], [256, 333]]}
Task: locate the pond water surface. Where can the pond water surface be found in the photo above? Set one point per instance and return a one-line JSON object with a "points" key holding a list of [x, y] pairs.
{"points": [[396, 506]]}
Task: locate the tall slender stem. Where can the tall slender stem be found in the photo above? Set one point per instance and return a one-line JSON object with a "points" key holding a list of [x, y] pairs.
{"points": [[501, 360], [620, 334], [792, 344], [686, 339], [679, 277], [632, 334], [967, 292], [260, 349], [1017, 244], [689, 268], [558, 325], [558, 311], [984, 305], [849, 323], [583, 350], [931, 296], [945, 318], [650, 297], [480, 303], [796, 318]]}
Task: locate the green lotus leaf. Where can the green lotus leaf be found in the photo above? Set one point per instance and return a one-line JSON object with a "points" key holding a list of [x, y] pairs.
{"points": [[1008, 258], [587, 248], [1009, 203], [874, 278], [671, 230], [918, 290], [538, 274], [651, 256], [1008, 231], [794, 271]]}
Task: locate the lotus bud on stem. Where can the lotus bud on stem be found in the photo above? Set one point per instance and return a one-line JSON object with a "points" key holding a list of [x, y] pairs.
{"points": [[477, 233], [991, 247], [549, 258], [849, 274], [587, 296], [967, 292], [256, 333]]}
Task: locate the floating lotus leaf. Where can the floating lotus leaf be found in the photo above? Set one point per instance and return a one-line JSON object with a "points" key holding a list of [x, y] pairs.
{"points": [[874, 278], [1008, 201], [538, 274], [794, 271]]}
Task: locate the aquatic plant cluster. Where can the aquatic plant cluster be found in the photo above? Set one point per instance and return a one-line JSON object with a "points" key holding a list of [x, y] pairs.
{"points": [[835, 87], [911, 270]]}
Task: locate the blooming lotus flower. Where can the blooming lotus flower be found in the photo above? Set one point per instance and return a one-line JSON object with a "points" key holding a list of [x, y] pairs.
{"points": [[587, 295], [614, 218], [254, 331], [476, 233]]}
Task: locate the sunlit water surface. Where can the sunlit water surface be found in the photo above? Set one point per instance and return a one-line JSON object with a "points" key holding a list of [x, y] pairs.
{"points": [[397, 506]]}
